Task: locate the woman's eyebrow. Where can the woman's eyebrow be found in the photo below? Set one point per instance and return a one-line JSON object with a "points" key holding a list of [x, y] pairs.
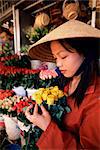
{"points": [[58, 53], [54, 55]]}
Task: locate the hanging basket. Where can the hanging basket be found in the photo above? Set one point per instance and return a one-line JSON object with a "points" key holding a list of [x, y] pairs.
{"points": [[70, 10], [41, 20], [97, 4]]}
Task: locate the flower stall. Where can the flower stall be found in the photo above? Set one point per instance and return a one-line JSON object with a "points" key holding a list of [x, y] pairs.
{"points": [[22, 83], [15, 86]]}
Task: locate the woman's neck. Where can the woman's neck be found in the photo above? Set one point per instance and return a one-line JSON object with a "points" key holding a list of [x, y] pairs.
{"points": [[73, 84]]}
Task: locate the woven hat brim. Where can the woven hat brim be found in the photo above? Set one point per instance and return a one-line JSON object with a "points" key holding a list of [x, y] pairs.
{"points": [[41, 52], [70, 29]]}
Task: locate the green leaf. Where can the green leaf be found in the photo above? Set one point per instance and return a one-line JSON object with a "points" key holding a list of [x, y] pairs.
{"points": [[68, 109]]}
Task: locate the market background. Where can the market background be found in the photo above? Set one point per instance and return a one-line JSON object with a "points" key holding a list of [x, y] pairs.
{"points": [[27, 22]]}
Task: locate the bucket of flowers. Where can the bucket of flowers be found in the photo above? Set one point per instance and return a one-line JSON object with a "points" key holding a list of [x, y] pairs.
{"points": [[14, 105], [12, 109]]}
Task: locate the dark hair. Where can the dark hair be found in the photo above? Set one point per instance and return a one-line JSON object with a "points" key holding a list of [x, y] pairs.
{"points": [[10, 24], [89, 47]]}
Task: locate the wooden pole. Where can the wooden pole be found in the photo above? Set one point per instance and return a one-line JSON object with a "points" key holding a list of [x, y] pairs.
{"points": [[93, 19]]}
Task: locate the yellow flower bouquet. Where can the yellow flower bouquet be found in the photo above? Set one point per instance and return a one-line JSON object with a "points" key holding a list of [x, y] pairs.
{"points": [[50, 94], [54, 100]]}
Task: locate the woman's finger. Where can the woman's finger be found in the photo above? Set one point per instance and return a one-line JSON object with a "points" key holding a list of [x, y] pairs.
{"points": [[44, 111], [35, 109], [49, 76], [28, 116], [46, 76]]}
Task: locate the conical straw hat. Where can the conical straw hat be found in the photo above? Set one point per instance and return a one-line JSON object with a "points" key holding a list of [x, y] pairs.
{"points": [[70, 29]]}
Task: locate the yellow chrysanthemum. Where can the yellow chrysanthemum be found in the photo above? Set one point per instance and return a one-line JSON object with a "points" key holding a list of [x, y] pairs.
{"points": [[50, 99], [55, 95], [55, 88], [34, 95], [44, 95], [51, 87], [47, 90], [41, 90], [50, 94], [38, 99], [60, 94]]}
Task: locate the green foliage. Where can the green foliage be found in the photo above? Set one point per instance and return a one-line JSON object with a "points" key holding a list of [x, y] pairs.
{"points": [[31, 138], [22, 62], [25, 80], [4, 54], [5, 111], [24, 48], [21, 117], [7, 48], [39, 33], [1, 23]]}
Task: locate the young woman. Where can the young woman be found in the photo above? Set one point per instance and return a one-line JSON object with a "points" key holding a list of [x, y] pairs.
{"points": [[74, 47]]}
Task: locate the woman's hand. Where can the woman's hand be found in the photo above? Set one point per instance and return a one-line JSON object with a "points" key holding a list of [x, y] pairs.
{"points": [[42, 121], [48, 74]]}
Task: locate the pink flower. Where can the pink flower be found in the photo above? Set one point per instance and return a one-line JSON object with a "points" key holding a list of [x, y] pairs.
{"points": [[48, 74]]}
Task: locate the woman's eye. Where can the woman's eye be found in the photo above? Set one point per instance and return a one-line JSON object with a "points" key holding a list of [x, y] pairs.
{"points": [[63, 57]]}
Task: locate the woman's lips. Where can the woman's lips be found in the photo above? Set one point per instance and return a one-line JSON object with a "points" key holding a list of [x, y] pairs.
{"points": [[63, 71]]}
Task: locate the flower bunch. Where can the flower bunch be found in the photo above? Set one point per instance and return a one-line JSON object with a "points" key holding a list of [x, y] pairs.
{"points": [[11, 75], [50, 95], [34, 34], [7, 104], [54, 100], [19, 61], [8, 70], [14, 105], [44, 74], [5, 93], [38, 33], [22, 104], [9, 57]]}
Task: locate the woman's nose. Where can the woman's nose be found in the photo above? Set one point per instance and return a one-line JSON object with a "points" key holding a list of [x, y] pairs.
{"points": [[58, 62]]}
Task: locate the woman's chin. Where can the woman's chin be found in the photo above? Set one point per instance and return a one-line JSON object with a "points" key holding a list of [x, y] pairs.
{"points": [[67, 75]]}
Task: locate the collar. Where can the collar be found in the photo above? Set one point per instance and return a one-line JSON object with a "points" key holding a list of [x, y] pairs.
{"points": [[92, 86]]}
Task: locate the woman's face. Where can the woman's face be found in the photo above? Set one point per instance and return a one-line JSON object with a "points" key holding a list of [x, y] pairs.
{"points": [[4, 36], [68, 62]]}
